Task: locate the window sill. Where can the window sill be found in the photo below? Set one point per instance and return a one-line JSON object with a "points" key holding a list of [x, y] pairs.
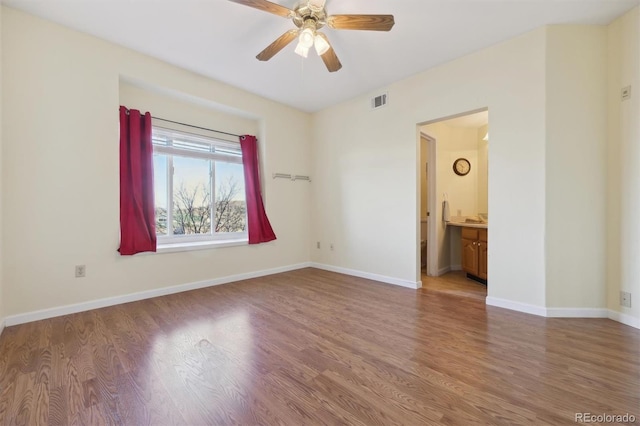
{"points": [[198, 245]]}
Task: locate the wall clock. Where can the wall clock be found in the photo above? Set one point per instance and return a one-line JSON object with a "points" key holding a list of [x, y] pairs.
{"points": [[461, 166]]}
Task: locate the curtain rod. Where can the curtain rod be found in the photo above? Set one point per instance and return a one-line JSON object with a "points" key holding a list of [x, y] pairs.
{"points": [[195, 127], [191, 125]]}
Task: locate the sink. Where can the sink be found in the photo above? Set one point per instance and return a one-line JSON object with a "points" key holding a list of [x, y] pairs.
{"points": [[475, 219], [478, 221]]}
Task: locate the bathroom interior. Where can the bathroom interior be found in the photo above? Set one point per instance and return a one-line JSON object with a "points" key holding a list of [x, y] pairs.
{"points": [[454, 209]]}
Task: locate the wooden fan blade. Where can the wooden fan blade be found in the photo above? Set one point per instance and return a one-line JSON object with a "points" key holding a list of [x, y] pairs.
{"points": [[280, 43], [267, 6], [361, 22], [329, 57]]}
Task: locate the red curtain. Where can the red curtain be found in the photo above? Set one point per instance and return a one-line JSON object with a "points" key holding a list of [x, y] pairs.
{"points": [[137, 216], [260, 230]]}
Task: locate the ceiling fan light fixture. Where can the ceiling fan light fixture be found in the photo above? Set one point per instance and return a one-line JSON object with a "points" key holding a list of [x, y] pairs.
{"points": [[306, 38], [321, 45], [308, 33], [301, 50]]}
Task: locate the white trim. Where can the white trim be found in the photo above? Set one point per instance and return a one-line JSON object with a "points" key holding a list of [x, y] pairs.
{"points": [[2, 324], [490, 301], [576, 313], [564, 312], [444, 270], [516, 306], [432, 203], [212, 141], [133, 297], [173, 247], [368, 275], [625, 319], [170, 150]]}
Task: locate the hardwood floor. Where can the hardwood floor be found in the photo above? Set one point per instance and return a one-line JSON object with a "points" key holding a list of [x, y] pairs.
{"points": [[455, 283], [315, 347]]}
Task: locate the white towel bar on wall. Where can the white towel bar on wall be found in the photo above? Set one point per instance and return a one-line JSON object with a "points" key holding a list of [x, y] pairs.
{"points": [[291, 177], [281, 175]]}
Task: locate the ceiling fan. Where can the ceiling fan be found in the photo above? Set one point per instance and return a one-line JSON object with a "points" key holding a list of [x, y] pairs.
{"points": [[309, 16]]}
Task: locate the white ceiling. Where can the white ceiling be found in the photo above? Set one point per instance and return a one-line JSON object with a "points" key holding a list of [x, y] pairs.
{"points": [[220, 39]]}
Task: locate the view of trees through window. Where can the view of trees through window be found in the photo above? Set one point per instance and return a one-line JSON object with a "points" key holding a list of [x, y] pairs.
{"points": [[192, 210], [199, 195]]}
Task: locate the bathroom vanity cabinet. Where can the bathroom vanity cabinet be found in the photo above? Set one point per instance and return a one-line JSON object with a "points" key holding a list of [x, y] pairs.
{"points": [[474, 252]]}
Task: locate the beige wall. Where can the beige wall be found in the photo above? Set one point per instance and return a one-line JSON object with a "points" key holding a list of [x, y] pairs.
{"points": [[483, 170], [623, 163], [576, 166], [424, 193], [462, 191], [176, 108], [60, 105], [2, 299], [366, 191]]}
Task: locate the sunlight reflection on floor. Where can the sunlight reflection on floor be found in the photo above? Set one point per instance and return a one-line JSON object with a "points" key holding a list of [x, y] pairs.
{"points": [[210, 361]]}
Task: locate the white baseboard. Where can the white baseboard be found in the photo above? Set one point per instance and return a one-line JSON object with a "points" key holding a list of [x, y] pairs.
{"points": [[444, 270], [2, 322], [368, 275], [516, 306], [564, 312], [491, 301], [449, 268], [624, 318], [577, 313], [133, 297], [547, 312]]}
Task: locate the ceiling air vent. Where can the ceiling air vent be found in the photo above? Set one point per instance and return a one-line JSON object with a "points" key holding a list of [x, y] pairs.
{"points": [[379, 101]]}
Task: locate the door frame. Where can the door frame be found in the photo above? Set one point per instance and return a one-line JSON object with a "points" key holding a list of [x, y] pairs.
{"points": [[432, 246]]}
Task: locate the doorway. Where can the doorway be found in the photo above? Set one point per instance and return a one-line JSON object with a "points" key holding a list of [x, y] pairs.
{"points": [[427, 166], [442, 144]]}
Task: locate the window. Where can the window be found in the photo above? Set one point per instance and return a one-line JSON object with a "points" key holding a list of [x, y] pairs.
{"points": [[198, 188]]}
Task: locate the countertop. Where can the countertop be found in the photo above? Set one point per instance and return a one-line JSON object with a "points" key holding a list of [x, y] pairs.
{"points": [[469, 224]]}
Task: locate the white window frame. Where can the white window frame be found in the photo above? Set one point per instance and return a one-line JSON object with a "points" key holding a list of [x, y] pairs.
{"points": [[171, 242]]}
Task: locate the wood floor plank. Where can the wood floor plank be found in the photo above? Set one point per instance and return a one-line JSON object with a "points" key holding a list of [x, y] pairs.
{"points": [[312, 347], [94, 414], [58, 407], [145, 400]]}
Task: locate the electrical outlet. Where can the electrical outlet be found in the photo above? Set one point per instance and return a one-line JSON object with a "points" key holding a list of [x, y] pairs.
{"points": [[625, 93], [81, 271], [331, 246], [318, 244], [625, 299]]}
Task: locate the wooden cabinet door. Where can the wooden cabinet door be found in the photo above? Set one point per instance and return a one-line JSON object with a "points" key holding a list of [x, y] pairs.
{"points": [[483, 242], [469, 256], [482, 260]]}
